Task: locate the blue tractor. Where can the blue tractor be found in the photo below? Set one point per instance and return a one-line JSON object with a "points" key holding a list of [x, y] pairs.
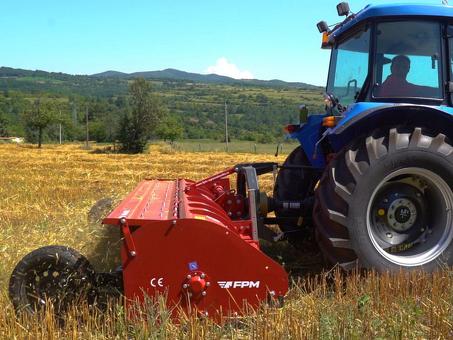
{"points": [[380, 162]]}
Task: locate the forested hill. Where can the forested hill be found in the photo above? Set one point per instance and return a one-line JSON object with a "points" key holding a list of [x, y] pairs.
{"points": [[257, 110], [172, 74], [27, 81], [113, 83]]}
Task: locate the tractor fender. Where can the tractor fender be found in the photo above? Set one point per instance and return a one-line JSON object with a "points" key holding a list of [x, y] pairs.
{"points": [[308, 136], [362, 118]]}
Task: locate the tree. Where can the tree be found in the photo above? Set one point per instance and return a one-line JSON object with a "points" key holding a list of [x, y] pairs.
{"points": [[147, 110], [169, 129], [4, 122], [41, 115]]}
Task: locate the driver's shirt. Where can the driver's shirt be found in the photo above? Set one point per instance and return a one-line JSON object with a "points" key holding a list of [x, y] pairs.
{"points": [[395, 86]]}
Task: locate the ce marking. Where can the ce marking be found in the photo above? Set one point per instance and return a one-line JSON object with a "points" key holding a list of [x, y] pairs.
{"points": [[157, 282]]}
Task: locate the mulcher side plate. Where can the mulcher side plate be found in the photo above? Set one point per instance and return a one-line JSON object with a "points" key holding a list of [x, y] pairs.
{"points": [[180, 242], [199, 264]]}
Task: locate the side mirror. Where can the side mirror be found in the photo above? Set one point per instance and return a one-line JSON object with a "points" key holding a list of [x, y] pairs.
{"points": [[330, 100], [343, 8], [322, 26]]}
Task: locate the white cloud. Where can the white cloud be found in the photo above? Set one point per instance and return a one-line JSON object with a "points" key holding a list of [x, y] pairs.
{"points": [[222, 68]]}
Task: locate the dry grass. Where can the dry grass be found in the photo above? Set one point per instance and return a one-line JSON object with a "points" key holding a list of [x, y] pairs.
{"points": [[46, 195]]}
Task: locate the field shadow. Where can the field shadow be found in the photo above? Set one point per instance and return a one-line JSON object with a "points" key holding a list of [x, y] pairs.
{"points": [[105, 255], [300, 260]]}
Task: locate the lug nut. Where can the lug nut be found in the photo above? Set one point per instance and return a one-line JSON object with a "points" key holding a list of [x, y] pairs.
{"points": [[184, 286]]}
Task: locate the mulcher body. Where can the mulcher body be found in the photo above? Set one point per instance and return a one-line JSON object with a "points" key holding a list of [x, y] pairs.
{"points": [[197, 244]]}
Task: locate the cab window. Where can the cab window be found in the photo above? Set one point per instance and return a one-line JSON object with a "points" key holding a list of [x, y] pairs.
{"points": [[408, 60], [349, 67]]}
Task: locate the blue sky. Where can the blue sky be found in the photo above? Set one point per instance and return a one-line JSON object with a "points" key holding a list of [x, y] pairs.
{"points": [[243, 39]]}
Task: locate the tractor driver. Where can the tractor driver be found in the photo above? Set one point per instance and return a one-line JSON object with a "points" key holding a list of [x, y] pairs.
{"points": [[396, 84]]}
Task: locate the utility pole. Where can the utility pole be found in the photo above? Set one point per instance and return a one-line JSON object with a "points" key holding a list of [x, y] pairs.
{"points": [[74, 111], [226, 127], [60, 126], [86, 126]]}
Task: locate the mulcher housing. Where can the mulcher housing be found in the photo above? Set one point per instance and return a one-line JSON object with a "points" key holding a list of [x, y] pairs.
{"points": [[197, 243]]}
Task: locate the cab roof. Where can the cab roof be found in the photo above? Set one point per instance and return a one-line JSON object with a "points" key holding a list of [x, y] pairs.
{"points": [[405, 9], [419, 11]]}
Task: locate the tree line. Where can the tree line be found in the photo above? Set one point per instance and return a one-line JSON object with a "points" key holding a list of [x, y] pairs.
{"points": [[182, 110], [129, 121]]}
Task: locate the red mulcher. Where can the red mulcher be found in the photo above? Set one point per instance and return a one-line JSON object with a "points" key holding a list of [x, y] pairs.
{"points": [[197, 243]]}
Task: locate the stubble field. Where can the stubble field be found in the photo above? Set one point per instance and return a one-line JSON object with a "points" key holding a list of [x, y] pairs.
{"points": [[45, 198]]}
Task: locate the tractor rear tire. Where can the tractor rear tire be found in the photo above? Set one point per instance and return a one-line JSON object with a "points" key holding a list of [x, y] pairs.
{"points": [[293, 185], [386, 202], [52, 274]]}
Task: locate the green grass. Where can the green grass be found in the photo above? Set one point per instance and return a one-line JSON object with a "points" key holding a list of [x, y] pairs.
{"points": [[235, 146]]}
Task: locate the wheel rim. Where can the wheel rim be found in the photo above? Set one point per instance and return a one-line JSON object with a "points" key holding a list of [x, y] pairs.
{"points": [[409, 217], [51, 285], [55, 286]]}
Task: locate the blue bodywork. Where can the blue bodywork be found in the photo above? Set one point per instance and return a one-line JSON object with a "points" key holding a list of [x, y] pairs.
{"points": [[438, 118], [365, 116], [308, 137]]}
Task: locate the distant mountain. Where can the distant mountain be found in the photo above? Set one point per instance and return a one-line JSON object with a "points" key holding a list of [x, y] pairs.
{"points": [[112, 83], [27, 81], [172, 74]]}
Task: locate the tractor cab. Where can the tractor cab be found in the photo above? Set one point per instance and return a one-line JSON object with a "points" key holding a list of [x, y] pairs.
{"points": [[390, 54]]}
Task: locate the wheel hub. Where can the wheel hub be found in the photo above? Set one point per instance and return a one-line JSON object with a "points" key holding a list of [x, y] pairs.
{"points": [[50, 284], [400, 211], [401, 214]]}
